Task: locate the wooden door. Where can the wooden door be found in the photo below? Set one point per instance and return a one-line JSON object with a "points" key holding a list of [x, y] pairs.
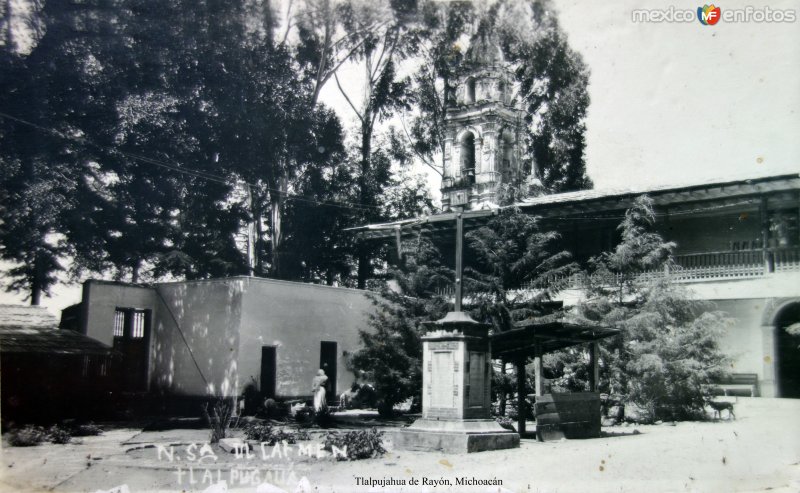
{"points": [[327, 361], [269, 371]]}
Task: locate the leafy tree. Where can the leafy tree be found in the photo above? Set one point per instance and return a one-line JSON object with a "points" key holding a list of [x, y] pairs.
{"points": [[145, 113], [391, 353], [317, 247], [442, 24], [553, 82], [512, 270], [381, 37], [668, 351], [33, 196], [40, 174], [164, 110], [641, 250]]}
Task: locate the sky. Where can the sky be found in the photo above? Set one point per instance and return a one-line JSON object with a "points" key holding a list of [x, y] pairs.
{"points": [[671, 103], [684, 102]]}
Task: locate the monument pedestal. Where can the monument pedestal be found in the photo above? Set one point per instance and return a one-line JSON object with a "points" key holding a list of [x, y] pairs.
{"points": [[455, 436], [456, 391]]}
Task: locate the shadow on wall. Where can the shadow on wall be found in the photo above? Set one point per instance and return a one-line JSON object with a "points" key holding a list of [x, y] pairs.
{"points": [[196, 338]]}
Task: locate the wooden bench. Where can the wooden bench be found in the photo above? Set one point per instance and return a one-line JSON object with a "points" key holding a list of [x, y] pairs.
{"points": [[739, 384]]}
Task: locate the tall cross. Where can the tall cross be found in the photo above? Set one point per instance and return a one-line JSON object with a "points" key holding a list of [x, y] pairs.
{"points": [[459, 259]]}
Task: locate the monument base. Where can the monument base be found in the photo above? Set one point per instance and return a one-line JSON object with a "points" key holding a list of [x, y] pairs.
{"points": [[454, 436]]}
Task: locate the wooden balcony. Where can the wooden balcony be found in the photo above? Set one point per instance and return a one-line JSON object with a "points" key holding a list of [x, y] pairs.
{"points": [[715, 266], [736, 264], [699, 267], [719, 265]]}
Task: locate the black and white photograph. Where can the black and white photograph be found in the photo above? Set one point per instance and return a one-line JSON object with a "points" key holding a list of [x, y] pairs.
{"points": [[317, 246]]}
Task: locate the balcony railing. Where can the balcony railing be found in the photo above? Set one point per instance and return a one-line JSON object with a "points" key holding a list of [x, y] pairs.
{"points": [[785, 259], [719, 265], [697, 267]]}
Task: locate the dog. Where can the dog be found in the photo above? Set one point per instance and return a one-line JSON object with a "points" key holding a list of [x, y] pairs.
{"points": [[718, 407]]}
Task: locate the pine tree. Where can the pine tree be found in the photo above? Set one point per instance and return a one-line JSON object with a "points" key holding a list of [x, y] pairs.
{"points": [[668, 351], [514, 268], [391, 354]]}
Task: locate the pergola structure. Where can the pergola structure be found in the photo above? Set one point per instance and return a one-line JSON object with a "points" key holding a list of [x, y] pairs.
{"points": [[532, 339]]}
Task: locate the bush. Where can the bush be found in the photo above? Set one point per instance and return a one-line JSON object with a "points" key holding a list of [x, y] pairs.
{"points": [[266, 433], [27, 436], [322, 418], [59, 435], [86, 430], [505, 422], [271, 408], [365, 398], [219, 418], [361, 444], [304, 416], [252, 398]]}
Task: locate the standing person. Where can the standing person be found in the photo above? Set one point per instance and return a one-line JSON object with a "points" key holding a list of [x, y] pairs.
{"points": [[318, 389]]}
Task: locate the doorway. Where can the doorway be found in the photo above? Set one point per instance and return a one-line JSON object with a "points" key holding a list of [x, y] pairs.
{"points": [[788, 352], [132, 342], [269, 370], [327, 361]]}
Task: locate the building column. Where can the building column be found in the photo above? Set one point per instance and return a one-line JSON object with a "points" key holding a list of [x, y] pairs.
{"points": [[478, 156], [763, 212], [488, 147], [503, 395], [448, 169], [538, 367], [768, 385], [594, 366], [521, 407]]}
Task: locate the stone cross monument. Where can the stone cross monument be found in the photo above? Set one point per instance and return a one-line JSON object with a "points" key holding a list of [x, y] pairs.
{"points": [[456, 384]]}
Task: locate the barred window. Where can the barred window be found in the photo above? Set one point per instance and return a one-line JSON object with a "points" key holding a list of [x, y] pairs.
{"points": [[138, 324], [119, 323], [128, 317]]}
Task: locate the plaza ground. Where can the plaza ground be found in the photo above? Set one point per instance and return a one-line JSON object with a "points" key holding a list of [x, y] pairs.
{"points": [[759, 451]]}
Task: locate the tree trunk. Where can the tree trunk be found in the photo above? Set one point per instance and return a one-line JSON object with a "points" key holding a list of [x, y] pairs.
{"points": [[366, 154], [37, 281], [276, 232], [36, 291], [251, 235], [135, 272], [256, 212]]}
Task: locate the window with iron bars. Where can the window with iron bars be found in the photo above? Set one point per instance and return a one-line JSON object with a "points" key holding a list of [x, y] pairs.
{"points": [[136, 318]]}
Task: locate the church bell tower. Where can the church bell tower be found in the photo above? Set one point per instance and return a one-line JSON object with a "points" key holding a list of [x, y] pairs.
{"points": [[483, 131]]}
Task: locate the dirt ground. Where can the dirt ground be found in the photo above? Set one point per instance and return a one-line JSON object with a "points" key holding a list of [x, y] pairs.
{"points": [[759, 451]]}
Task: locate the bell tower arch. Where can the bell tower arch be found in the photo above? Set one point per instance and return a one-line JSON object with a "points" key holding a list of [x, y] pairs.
{"points": [[483, 130]]}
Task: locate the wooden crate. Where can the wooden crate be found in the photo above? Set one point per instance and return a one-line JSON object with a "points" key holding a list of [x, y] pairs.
{"points": [[569, 415]]}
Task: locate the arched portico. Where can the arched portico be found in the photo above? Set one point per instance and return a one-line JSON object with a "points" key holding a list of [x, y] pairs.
{"points": [[787, 349], [781, 349]]}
